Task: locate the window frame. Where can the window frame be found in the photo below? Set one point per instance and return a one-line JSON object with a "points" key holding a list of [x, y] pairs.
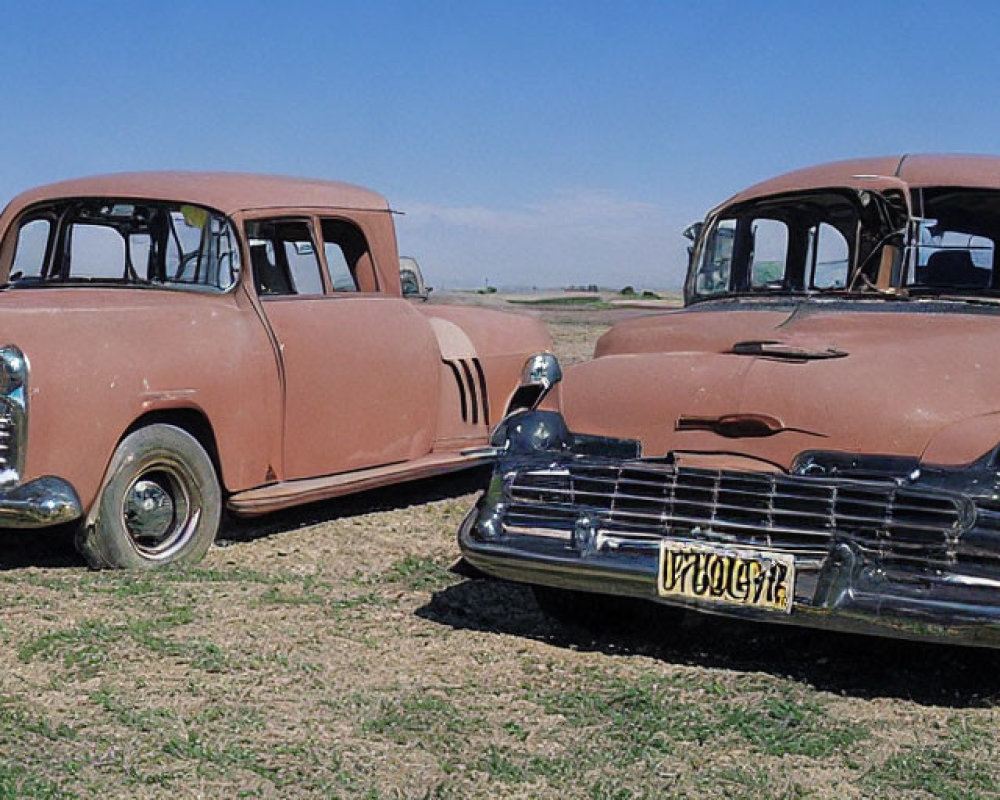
{"points": [[798, 210]]}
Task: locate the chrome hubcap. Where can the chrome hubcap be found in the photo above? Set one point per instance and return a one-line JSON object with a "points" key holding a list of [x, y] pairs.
{"points": [[159, 511], [149, 510]]}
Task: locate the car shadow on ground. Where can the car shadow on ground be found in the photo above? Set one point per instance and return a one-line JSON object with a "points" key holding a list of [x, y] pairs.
{"points": [[387, 498], [854, 665], [47, 548], [53, 548]]}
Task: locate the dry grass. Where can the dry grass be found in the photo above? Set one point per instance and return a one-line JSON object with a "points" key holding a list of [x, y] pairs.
{"points": [[328, 652]]}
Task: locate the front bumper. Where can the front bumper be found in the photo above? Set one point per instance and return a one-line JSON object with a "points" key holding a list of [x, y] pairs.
{"points": [[892, 575], [869, 601], [39, 503]]}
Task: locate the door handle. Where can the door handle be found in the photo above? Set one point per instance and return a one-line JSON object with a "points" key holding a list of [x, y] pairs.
{"points": [[738, 426], [784, 351]]}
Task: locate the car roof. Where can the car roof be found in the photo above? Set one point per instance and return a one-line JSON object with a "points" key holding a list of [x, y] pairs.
{"points": [[917, 170], [227, 192]]}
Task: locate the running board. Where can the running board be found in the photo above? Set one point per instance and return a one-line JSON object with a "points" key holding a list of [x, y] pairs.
{"points": [[286, 494]]}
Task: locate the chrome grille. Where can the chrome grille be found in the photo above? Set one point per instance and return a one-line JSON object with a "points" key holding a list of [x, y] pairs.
{"points": [[787, 513], [7, 432]]}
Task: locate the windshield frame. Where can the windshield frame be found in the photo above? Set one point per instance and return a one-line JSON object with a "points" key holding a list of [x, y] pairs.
{"points": [[866, 220], [59, 212], [903, 220]]}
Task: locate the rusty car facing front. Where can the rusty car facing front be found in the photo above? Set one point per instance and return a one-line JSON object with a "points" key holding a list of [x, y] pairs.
{"points": [[814, 439], [184, 343]]}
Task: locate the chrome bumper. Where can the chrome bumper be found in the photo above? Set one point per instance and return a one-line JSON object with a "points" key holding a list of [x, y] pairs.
{"points": [[843, 592], [878, 547], [39, 503]]}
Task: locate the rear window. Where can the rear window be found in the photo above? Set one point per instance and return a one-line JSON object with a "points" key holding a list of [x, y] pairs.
{"points": [[955, 243]]}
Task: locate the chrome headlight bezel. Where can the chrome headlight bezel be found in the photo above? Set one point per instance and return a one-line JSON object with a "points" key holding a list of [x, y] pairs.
{"points": [[542, 369], [14, 371], [538, 375]]}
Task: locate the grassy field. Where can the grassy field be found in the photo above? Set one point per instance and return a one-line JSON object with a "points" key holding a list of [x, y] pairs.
{"points": [[329, 652]]}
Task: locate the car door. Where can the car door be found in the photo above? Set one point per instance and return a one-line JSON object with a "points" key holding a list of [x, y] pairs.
{"points": [[360, 367]]}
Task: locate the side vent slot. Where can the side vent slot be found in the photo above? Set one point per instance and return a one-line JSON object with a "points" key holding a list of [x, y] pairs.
{"points": [[483, 394], [462, 395], [472, 395]]}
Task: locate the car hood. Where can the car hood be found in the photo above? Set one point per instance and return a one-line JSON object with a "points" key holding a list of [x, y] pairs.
{"points": [[769, 383]]}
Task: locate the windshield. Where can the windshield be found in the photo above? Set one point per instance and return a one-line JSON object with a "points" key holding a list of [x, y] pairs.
{"points": [[846, 241], [802, 242], [125, 242]]}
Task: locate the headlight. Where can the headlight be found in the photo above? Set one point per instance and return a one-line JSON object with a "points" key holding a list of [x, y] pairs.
{"points": [[542, 369], [533, 432], [538, 375], [13, 369]]}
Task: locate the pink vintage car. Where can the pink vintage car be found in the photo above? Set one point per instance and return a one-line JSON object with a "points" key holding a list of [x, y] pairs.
{"points": [[180, 343], [819, 427]]}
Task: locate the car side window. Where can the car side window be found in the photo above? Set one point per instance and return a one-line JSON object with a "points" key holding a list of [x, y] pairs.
{"points": [[31, 249], [347, 257], [716, 262], [341, 277], [283, 258]]}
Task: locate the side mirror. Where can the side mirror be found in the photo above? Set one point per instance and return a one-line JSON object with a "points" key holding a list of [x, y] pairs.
{"points": [[693, 231]]}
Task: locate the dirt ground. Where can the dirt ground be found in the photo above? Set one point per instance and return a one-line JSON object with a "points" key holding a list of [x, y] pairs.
{"points": [[329, 652]]}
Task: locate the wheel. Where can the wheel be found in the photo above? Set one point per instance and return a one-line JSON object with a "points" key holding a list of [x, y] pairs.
{"points": [[161, 503]]}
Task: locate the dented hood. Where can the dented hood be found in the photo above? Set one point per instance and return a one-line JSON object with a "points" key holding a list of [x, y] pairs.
{"points": [[769, 383]]}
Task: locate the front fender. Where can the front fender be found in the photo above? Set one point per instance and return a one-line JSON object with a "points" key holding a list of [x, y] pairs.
{"points": [[963, 442], [500, 341]]}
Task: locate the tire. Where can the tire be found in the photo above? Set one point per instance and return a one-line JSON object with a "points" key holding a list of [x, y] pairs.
{"points": [[161, 503]]}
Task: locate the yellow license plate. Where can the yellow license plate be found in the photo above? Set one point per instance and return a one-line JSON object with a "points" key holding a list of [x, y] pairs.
{"points": [[719, 574]]}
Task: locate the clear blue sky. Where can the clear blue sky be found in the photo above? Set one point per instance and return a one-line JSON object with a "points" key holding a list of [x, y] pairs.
{"points": [[530, 143]]}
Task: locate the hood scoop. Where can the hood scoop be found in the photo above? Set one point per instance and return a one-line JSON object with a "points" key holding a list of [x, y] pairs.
{"points": [[737, 426], [769, 348]]}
